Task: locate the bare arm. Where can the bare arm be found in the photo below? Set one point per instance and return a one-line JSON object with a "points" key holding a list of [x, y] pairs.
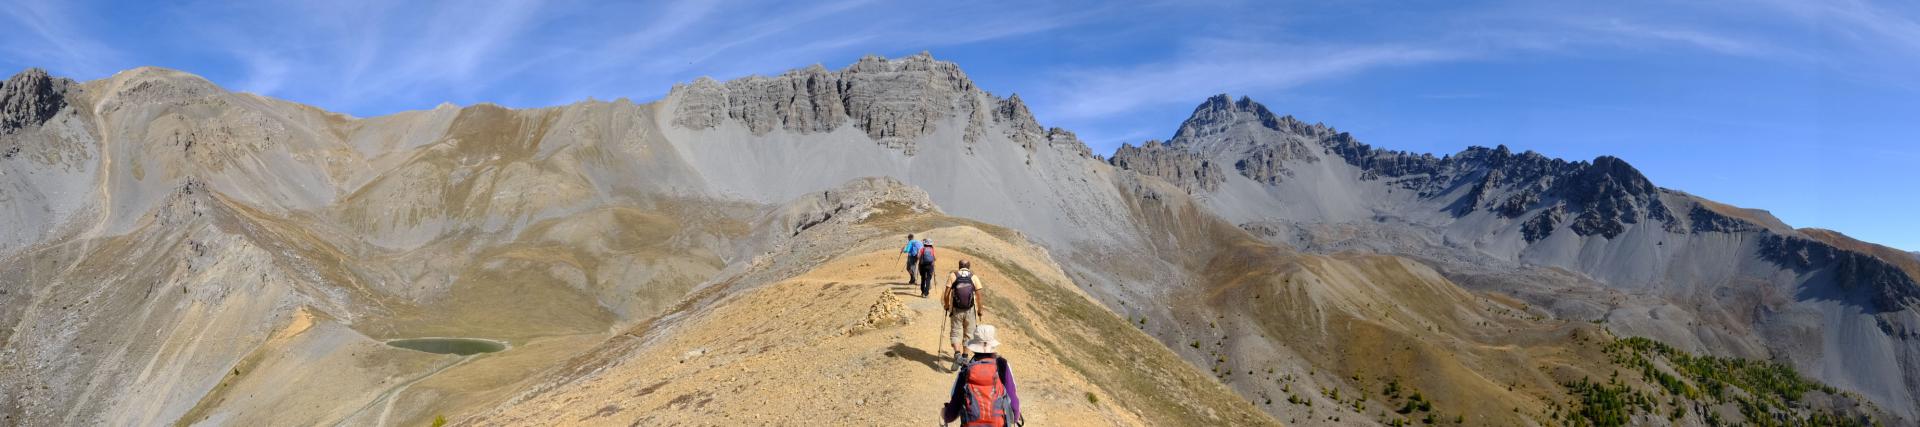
{"points": [[946, 299], [979, 297]]}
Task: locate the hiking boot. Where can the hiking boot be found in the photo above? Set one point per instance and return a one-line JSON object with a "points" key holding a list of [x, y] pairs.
{"points": [[959, 360]]}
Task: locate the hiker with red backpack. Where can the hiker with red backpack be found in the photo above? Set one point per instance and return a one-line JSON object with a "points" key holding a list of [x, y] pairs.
{"points": [[961, 298], [983, 392], [926, 265]]}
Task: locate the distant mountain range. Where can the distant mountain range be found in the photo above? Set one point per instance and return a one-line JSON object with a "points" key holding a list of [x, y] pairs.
{"points": [[173, 252]]}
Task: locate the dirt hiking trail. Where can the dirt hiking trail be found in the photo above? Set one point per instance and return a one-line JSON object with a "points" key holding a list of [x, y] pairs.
{"points": [[800, 351]]}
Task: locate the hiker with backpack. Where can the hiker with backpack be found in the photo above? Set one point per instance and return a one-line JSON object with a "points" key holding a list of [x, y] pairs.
{"points": [[983, 391], [961, 298], [926, 265], [912, 252]]}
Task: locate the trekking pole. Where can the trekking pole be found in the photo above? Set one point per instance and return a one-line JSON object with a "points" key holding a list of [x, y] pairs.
{"points": [[940, 349]]}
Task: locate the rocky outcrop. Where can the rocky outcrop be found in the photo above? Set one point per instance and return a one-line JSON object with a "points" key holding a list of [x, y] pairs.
{"points": [[1612, 194], [848, 203], [1267, 163], [1185, 169], [1884, 284], [893, 101], [1706, 220], [1018, 122], [1542, 224], [31, 98], [1602, 196], [1065, 140]]}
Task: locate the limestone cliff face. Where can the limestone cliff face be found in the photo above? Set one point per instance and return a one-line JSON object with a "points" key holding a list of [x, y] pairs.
{"points": [[893, 101], [1188, 170]]}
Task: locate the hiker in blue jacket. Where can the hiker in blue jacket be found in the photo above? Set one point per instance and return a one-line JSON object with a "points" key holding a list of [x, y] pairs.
{"points": [[912, 251]]}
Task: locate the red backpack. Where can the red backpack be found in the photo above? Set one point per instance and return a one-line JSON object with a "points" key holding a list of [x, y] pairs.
{"points": [[986, 398]]}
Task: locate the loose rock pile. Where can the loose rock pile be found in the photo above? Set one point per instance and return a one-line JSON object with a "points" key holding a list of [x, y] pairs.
{"points": [[886, 312]]}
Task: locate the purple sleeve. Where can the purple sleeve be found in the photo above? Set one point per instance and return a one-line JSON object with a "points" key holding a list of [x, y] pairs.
{"points": [[1006, 377], [951, 411]]}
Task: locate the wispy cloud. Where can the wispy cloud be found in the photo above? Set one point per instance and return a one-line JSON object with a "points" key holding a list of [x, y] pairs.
{"points": [[1862, 21], [47, 33], [1203, 65], [1214, 66], [1686, 37], [266, 72], [372, 57]]}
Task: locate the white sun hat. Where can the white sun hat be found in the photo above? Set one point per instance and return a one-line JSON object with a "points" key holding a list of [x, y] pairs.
{"points": [[984, 340]]}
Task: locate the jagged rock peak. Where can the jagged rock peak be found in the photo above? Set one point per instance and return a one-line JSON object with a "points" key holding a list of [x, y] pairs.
{"points": [[1221, 113], [30, 98], [1018, 122], [893, 100], [1610, 168], [1013, 110]]}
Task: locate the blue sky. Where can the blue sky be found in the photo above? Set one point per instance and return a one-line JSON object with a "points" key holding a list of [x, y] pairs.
{"points": [[1807, 108]]}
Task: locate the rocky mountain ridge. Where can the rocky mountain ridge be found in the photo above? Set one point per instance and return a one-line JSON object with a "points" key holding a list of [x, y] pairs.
{"points": [[893, 101], [1601, 197], [1485, 207]]}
